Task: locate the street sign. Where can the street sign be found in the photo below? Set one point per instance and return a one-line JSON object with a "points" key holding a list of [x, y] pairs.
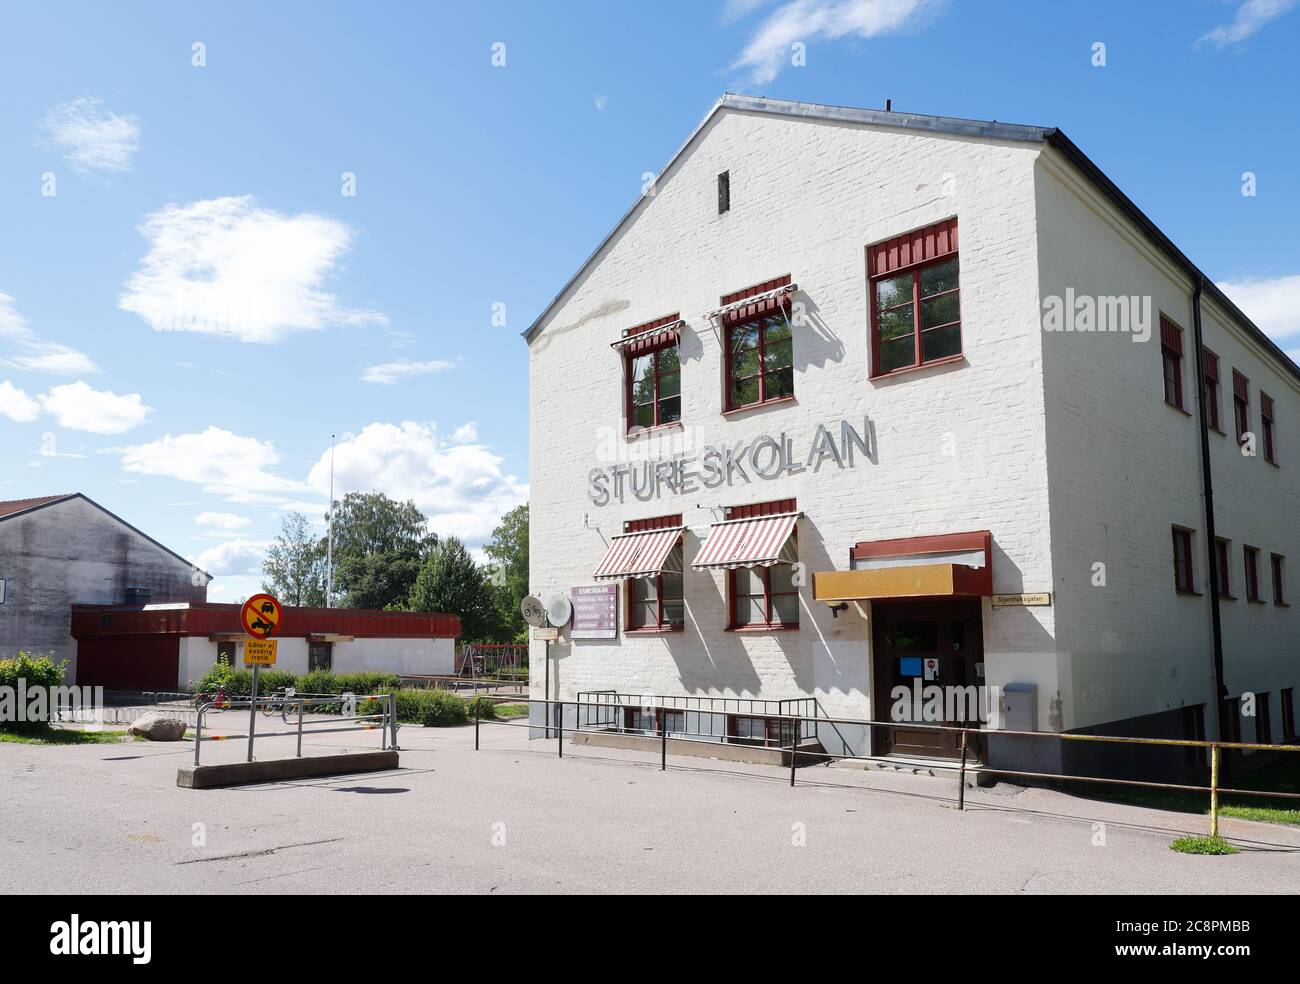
{"points": [[550, 633], [261, 616], [595, 611], [260, 652], [533, 611], [1021, 600]]}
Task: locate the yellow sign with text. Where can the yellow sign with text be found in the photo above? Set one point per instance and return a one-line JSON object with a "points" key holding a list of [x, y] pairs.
{"points": [[259, 652]]}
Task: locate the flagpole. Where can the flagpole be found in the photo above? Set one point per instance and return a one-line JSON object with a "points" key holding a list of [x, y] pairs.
{"points": [[329, 550]]}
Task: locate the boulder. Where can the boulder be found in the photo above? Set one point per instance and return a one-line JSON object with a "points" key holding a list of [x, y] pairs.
{"points": [[156, 727]]}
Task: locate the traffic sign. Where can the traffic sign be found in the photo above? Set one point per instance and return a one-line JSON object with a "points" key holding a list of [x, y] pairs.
{"points": [[261, 616], [260, 652]]}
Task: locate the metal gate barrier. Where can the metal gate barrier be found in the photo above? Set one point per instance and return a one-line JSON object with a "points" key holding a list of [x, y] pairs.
{"points": [[385, 720]]}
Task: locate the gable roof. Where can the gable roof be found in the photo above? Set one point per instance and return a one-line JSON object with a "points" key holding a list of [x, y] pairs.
{"points": [[987, 129], [18, 507], [10, 507]]}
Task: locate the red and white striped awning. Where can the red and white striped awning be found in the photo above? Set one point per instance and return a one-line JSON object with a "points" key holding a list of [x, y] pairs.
{"points": [[643, 554], [757, 541]]}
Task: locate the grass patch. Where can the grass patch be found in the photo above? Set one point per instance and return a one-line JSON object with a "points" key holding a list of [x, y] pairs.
{"points": [[512, 710], [59, 736], [1202, 845]]}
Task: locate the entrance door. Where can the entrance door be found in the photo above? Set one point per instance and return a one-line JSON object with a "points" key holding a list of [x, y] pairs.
{"points": [[927, 644]]}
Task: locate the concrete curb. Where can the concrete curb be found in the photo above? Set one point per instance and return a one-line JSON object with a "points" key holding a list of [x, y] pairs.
{"points": [[273, 770]]}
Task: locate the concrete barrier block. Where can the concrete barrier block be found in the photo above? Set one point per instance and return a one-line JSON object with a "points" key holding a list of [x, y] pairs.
{"points": [[275, 770]]}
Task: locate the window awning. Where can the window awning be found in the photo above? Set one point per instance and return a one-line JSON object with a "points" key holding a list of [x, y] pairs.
{"points": [[758, 541], [643, 554], [951, 565], [644, 341]]}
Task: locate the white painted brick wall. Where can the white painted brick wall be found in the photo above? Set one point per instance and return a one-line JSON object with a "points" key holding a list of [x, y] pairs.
{"points": [[807, 198]]}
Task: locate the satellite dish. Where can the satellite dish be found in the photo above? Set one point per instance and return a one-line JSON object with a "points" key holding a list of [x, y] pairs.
{"points": [[559, 609], [533, 611]]}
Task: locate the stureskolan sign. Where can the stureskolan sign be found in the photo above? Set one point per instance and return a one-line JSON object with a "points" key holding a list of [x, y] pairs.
{"points": [[764, 457]]}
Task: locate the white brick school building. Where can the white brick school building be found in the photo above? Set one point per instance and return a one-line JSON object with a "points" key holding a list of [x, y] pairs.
{"points": [[853, 401]]}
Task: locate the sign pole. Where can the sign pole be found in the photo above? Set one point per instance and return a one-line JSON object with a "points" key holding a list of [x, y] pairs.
{"points": [[252, 712]]}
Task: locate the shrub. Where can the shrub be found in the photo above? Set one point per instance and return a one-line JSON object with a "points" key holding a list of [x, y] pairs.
{"points": [[37, 672], [482, 707], [443, 709]]}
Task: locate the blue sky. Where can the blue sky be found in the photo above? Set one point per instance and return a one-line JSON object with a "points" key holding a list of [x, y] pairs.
{"points": [[198, 305]]}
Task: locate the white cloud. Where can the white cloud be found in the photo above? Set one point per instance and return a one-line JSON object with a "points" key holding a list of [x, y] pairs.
{"points": [[460, 487], [390, 372], [465, 433], [1251, 16], [601, 102], [233, 557], [807, 21], [34, 353], [78, 407], [16, 404], [221, 520], [92, 140], [227, 267], [1273, 304], [223, 463]]}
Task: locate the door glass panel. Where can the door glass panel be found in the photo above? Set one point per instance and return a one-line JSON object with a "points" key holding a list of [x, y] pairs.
{"points": [[916, 636]]}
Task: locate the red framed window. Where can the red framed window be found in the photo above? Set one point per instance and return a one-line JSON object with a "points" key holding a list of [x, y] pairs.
{"points": [[653, 374], [654, 604], [1223, 567], [1267, 432], [1250, 557], [1184, 581], [764, 597], [1212, 390], [746, 730], [1241, 403], [759, 345], [1277, 566], [1171, 355], [915, 296]]}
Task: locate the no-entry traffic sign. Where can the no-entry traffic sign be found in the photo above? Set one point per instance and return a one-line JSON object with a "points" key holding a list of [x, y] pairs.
{"points": [[261, 616]]}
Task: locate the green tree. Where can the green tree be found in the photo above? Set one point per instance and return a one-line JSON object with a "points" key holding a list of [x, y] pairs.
{"points": [[379, 546], [508, 550], [450, 581], [294, 569]]}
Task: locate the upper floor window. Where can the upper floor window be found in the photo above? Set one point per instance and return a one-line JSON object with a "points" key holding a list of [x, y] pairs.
{"points": [[915, 297], [1266, 427], [1251, 557], [1221, 554], [1241, 403], [759, 345], [1184, 581], [1278, 565], [1171, 354], [652, 371], [1212, 390]]}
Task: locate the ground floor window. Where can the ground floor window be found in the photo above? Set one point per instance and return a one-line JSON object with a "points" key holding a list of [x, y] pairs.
{"points": [[1194, 730], [650, 720], [1288, 714], [1263, 720], [764, 597], [320, 656], [656, 602], [744, 730], [226, 652]]}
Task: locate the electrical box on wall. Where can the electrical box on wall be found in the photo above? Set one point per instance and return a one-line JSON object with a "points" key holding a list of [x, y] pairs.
{"points": [[1018, 707]]}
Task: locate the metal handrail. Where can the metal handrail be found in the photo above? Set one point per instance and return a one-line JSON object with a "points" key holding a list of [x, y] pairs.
{"points": [[386, 718], [961, 766]]}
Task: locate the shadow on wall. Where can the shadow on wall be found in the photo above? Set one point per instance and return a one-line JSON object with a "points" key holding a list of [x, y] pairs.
{"points": [[816, 343]]}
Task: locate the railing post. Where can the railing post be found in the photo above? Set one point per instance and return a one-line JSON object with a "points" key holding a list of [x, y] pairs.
{"points": [[961, 776], [1214, 790], [663, 742], [560, 730], [794, 747], [476, 726], [301, 706], [393, 718], [198, 733]]}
